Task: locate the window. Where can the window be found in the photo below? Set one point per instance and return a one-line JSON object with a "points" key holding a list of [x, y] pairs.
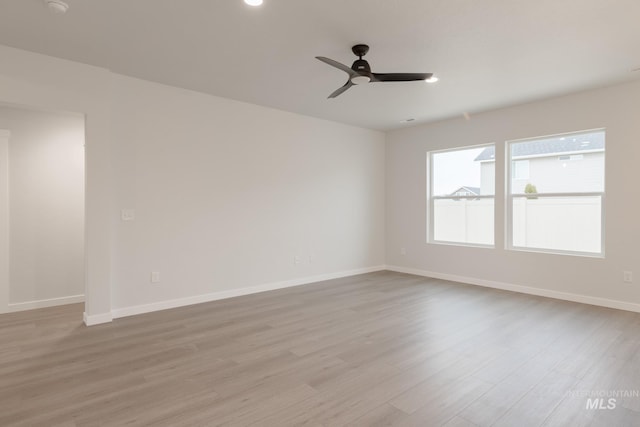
{"points": [[559, 206], [461, 196]]}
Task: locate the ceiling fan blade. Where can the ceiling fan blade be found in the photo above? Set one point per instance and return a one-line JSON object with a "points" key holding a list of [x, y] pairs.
{"points": [[399, 77], [339, 91], [338, 65]]}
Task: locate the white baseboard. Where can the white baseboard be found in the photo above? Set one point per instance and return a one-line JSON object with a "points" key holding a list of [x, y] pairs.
{"points": [[96, 319], [53, 302], [566, 296], [181, 302], [198, 299]]}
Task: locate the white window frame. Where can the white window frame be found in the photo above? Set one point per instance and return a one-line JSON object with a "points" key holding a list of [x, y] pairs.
{"points": [[510, 197], [430, 198]]}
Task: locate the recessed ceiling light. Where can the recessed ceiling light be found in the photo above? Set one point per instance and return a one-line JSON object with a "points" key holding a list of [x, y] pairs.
{"points": [[253, 2], [431, 79]]}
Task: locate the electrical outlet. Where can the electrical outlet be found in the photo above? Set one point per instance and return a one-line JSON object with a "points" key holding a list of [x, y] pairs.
{"points": [[627, 276], [297, 259], [403, 251], [128, 214], [155, 277]]}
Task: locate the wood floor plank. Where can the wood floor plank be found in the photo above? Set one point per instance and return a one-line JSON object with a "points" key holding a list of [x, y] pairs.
{"points": [[539, 402], [371, 350], [383, 416]]}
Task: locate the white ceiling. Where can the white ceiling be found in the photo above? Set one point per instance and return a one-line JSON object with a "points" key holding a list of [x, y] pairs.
{"points": [[487, 53]]}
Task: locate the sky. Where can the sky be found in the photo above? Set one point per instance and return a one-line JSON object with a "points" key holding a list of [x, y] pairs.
{"points": [[454, 169]]}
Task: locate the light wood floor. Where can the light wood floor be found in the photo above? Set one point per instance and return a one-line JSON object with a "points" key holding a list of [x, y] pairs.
{"points": [[377, 349]]}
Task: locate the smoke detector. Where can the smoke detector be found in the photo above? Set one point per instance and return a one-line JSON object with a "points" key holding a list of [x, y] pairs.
{"points": [[57, 7]]}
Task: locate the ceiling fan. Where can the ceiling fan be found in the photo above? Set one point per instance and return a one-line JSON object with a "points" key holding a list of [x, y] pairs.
{"points": [[360, 72]]}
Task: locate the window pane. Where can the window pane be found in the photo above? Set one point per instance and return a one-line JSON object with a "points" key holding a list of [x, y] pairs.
{"points": [[458, 176], [558, 223], [572, 163], [463, 221], [467, 170]]}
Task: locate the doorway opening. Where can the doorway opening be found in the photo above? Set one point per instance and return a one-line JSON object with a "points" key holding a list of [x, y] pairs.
{"points": [[42, 213]]}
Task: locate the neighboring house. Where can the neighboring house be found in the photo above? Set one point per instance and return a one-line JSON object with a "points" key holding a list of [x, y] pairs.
{"points": [[466, 191], [553, 166]]}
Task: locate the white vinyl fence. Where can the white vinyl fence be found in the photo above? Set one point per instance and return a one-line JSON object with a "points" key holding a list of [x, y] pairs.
{"points": [[554, 223], [558, 223], [463, 221]]}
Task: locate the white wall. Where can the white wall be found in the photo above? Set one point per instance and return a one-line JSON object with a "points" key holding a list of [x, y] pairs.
{"points": [[51, 84], [226, 194], [615, 108], [46, 205], [4, 219], [200, 172]]}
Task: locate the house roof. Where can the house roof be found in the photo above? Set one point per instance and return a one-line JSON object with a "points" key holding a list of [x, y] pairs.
{"points": [[474, 190], [558, 144]]}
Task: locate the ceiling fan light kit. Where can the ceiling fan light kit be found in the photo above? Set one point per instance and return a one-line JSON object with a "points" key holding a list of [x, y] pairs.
{"points": [[57, 7], [360, 80], [360, 72]]}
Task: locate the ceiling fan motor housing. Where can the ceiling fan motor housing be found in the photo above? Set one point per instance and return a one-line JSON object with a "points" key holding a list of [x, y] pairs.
{"points": [[364, 72], [361, 66]]}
